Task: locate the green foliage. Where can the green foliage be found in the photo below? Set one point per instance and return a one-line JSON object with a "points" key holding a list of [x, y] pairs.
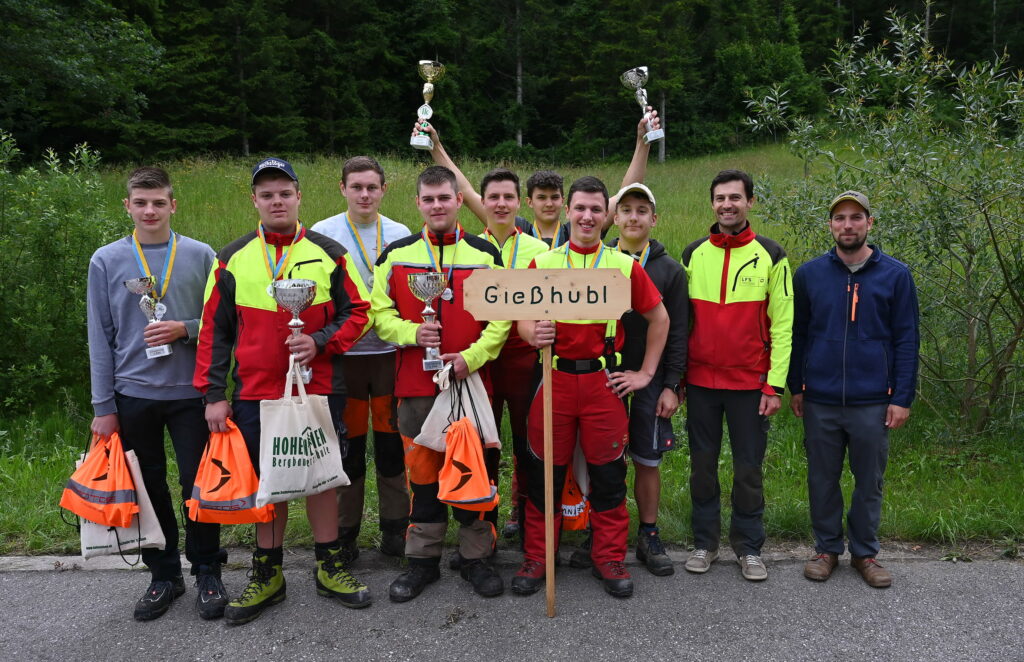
{"points": [[51, 220], [937, 148]]}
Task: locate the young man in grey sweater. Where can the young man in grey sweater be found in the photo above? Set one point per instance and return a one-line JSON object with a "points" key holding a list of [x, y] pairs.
{"points": [[142, 379]]}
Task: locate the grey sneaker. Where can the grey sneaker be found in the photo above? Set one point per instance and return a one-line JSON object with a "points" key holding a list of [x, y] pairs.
{"points": [[752, 567], [700, 560]]}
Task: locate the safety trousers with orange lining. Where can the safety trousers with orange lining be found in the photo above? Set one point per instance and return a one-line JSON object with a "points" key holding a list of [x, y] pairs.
{"points": [[428, 517], [584, 409]]}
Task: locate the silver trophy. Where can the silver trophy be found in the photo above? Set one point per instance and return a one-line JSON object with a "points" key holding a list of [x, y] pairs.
{"points": [[431, 72], [151, 308], [634, 80], [426, 287], [296, 295]]}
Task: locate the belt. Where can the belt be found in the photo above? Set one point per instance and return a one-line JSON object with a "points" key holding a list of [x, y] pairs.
{"points": [[584, 366]]}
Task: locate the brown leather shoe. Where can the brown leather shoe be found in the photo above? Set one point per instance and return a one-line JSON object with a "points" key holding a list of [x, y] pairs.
{"points": [[873, 573], [820, 567]]}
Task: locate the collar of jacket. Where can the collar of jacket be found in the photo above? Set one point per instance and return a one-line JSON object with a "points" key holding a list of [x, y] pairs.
{"points": [[723, 240], [584, 251], [876, 256], [282, 238], [447, 238]]}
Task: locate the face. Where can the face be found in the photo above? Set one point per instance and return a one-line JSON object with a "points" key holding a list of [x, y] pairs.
{"points": [[277, 201], [546, 204], [501, 202], [635, 217], [363, 191], [730, 204], [150, 209], [586, 213], [850, 225], [439, 205]]}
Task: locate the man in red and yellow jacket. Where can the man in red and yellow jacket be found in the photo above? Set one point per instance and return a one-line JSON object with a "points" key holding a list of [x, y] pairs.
{"points": [[741, 307], [442, 245]]}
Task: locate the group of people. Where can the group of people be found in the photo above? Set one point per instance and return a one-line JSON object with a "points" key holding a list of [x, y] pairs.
{"points": [[727, 329]]}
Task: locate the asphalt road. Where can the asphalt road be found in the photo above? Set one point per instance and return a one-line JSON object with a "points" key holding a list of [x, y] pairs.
{"points": [[55, 609]]}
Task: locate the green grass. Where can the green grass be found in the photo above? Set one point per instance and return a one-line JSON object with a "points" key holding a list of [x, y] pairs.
{"points": [[936, 491]]}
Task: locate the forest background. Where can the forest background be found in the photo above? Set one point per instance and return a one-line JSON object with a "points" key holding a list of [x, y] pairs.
{"points": [[925, 114]]}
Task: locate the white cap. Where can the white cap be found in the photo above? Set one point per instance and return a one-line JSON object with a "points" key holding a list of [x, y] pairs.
{"points": [[637, 187]]}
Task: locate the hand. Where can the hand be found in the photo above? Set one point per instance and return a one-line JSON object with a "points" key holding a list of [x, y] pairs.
{"points": [[216, 416], [649, 122], [668, 403], [163, 333], [896, 416], [624, 383], [544, 333], [460, 367], [106, 425], [769, 404], [428, 334], [303, 347], [427, 128], [796, 403]]}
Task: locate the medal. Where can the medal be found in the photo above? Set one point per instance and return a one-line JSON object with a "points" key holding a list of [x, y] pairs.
{"points": [[447, 294], [162, 282]]}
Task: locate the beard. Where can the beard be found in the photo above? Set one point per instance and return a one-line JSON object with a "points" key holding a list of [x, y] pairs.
{"points": [[851, 245]]}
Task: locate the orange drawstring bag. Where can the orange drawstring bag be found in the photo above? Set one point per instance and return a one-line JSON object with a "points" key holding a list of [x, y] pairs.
{"points": [[225, 488], [463, 481], [102, 490], [575, 505]]}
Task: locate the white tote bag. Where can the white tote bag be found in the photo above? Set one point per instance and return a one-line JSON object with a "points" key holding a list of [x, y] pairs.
{"points": [[98, 539], [299, 451], [458, 398]]}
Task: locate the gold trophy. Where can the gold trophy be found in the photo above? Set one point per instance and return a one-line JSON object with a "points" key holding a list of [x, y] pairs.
{"points": [[634, 80], [431, 71]]}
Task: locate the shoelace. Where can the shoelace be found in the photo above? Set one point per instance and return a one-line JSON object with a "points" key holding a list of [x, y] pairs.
{"points": [[819, 557], [616, 568], [700, 554], [335, 567], [654, 543], [529, 567], [751, 559], [209, 585], [259, 576]]}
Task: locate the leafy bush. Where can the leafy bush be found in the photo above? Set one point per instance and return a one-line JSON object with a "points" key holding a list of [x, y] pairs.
{"points": [[51, 220], [937, 147]]}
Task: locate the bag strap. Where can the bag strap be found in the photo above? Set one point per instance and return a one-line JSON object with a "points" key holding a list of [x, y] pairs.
{"points": [[294, 377], [138, 539]]}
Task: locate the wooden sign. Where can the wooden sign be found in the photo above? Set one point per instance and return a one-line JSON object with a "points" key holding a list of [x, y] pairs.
{"points": [[546, 294]]}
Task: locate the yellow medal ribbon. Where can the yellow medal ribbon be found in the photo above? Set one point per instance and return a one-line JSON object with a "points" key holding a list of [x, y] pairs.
{"points": [[367, 262], [644, 254], [281, 266], [593, 265], [161, 284]]}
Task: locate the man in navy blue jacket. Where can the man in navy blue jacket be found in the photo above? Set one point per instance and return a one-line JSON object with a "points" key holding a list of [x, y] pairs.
{"points": [[853, 373]]}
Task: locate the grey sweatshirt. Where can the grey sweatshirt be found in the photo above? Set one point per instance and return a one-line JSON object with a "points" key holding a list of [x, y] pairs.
{"points": [[117, 351]]}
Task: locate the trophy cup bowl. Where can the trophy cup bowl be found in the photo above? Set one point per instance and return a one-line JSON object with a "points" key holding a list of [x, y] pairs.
{"points": [[634, 79], [151, 308], [430, 71], [295, 295], [426, 287]]}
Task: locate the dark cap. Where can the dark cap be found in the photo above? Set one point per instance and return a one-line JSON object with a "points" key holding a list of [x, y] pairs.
{"points": [[274, 163], [855, 196]]}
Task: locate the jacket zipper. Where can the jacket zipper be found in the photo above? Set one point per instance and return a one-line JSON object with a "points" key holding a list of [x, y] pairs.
{"points": [[743, 266], [725, 275]]}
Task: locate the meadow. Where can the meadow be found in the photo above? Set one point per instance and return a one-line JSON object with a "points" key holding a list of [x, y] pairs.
{"points": [[937, 491]]}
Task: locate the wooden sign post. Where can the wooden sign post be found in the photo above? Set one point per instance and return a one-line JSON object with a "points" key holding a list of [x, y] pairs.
{"points": [[547, 294]]}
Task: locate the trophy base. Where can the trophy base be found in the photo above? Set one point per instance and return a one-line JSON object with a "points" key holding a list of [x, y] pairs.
{"points": [[653, 136], [422, 142], [432, 365], [158, 351]]}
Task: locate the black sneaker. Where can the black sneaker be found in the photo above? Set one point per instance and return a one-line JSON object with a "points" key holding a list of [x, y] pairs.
{"points": [[651, 552], [486, 582], [212, 596], [411, 583], [158, 598], [581, 557]]}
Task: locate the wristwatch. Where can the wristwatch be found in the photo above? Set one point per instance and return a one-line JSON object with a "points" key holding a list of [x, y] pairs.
{"points": [[674, 387]]}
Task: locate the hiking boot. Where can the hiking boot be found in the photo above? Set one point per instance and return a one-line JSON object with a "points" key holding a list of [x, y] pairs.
{"points": [[158, 598], [392, 536], [456, 560], [511, 529], [873, 573], [411, 583], [333, 580], [615, 577], [266, 587], [348, 539], [580, 558], [700, 560], [529, 579], [486, 582], [651, 552], [212, 598], [820, 567], [752, 567]]}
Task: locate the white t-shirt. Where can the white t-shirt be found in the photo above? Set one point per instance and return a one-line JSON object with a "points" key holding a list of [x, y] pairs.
{"points": [[338, 228]]}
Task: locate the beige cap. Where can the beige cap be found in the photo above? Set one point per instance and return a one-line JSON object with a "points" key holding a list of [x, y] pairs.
{"points": [[637, 188], [855, 196]]}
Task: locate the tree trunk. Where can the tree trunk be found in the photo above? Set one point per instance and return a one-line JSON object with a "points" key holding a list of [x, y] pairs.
{"points": [[519, 80]]}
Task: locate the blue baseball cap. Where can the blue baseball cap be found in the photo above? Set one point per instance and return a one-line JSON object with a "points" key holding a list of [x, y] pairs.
{"points": [[274, 163]]}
